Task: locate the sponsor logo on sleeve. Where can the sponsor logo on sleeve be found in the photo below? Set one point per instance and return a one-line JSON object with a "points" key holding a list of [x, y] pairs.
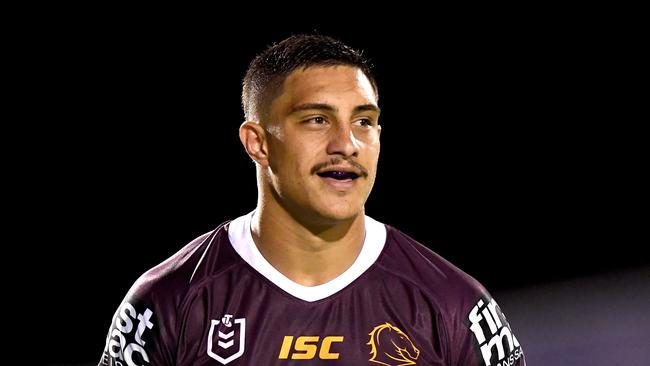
{"points": [[497, 345], [390, 346], [227, 339], [125, 344]]}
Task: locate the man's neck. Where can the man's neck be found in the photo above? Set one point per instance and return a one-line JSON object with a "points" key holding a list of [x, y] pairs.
{"points": [[307, 256]]}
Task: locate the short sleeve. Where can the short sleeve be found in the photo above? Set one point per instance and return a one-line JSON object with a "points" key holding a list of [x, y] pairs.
{"points": [[483, 337], [141, 333]]}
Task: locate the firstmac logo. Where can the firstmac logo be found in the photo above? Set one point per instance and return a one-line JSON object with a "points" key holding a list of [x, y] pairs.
{"points": [[493, 333], [125, 342]]}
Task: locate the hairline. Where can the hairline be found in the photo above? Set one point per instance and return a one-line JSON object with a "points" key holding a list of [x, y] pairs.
{"points": [[275, 87]]}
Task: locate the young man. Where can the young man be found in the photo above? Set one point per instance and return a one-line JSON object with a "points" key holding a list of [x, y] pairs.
{"points": [[307, 278]]}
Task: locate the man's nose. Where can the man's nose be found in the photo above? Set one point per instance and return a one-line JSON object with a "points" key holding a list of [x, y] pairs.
{"points": [[343, 142]]}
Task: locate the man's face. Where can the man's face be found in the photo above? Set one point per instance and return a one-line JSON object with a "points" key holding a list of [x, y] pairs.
{"points": [[323, 143]]}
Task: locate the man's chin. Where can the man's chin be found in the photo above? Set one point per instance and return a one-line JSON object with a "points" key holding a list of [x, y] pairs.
{"points": [[335, 215]]}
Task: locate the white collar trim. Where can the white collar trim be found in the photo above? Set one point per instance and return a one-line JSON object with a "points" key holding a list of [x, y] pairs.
{"points": [[239, 233]]}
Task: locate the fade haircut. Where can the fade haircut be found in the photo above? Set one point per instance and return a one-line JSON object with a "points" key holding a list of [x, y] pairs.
{"points": [[268, 70]]}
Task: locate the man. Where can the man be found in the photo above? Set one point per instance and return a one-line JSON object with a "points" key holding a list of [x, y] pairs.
{"points": [[307, 278]]}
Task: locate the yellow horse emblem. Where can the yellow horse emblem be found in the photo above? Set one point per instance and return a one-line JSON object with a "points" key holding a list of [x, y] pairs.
{"points": [[391, 347]]}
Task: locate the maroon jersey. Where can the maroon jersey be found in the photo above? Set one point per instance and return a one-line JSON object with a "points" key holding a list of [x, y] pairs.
{"points": [[219, 302]]}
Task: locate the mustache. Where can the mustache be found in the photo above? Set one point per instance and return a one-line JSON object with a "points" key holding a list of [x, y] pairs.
{"points": [[339, 161]]}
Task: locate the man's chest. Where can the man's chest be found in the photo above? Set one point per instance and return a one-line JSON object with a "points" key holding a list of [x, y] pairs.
{"points": [[349, 330]]}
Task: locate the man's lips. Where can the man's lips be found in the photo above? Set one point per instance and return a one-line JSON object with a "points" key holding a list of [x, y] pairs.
{"points": [[340, 181], [338, 175], [340, 169]]}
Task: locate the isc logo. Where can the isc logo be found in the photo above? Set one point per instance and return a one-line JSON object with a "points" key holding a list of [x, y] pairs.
{"points": [[306, 347]]}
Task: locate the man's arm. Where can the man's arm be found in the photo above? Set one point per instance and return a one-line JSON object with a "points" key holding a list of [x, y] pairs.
{"points": [[141, 333], [484, 337]]}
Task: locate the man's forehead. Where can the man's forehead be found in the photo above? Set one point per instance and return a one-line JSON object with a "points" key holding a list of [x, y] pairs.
{"points": [[320, 76], [327, 84]]}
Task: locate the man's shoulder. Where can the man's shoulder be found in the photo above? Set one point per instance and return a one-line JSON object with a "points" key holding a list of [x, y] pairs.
{"points": [[173, 278], [154, 306], [432, 274]]}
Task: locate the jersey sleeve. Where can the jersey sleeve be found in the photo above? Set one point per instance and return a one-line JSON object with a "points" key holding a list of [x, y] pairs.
{"points": [[141, 332], [482, 336], [145, 328]]}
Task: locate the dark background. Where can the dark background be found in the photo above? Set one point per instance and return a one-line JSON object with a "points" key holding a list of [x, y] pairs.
{"points": [[503, 149]]}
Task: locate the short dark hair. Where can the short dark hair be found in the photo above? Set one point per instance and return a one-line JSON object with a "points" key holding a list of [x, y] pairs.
{"points": [[269, 69]]}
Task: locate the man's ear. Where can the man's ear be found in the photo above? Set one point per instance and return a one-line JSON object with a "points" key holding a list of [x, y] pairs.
{"points": [[253, 137]]}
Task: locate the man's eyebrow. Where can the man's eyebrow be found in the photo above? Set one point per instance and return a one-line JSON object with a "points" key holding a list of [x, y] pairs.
{"points": [[330, 108], [312, 106], [366, 108]]}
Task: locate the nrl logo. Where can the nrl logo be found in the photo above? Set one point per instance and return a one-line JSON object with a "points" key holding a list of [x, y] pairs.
{"points": [[220, 350], [391, 347]]}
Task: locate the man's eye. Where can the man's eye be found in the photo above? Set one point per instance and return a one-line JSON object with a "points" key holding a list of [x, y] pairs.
{"points": [[316, 120], [366, 122]]}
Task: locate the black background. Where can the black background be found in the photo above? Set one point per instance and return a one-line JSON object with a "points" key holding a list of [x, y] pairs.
{"points": [[504, 149]]}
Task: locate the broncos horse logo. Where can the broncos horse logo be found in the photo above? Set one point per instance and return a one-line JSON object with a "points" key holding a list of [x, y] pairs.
{"points": [[391, 347]]}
